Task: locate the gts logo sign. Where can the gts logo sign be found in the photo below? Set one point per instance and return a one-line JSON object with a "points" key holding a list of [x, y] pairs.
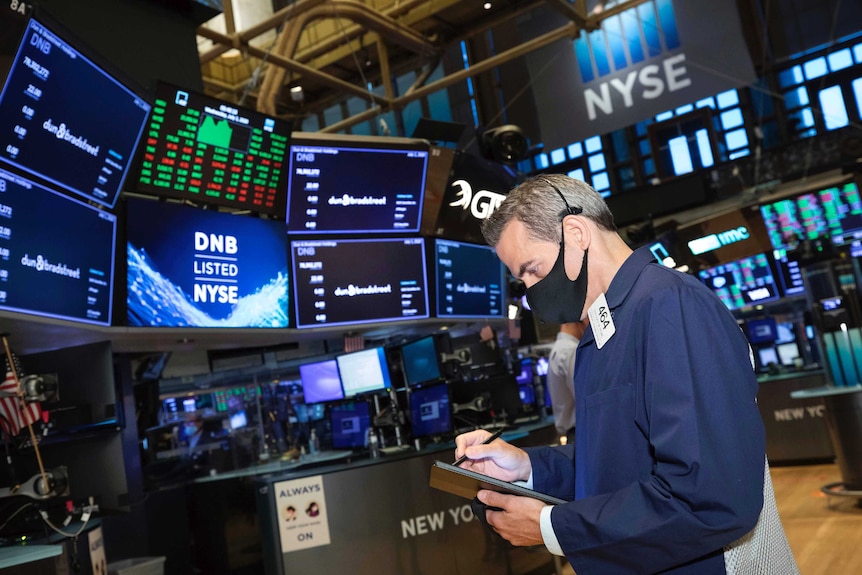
{"points": [[481, 204]]}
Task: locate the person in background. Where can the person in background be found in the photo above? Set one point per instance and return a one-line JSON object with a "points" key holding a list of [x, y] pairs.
{"points": [[668, 473], [561, 375]]}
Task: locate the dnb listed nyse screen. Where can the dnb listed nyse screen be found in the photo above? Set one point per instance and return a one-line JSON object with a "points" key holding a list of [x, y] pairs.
{"points": [[356, 281]]}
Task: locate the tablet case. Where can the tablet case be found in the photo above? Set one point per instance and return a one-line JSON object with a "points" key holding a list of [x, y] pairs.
{"points": [[466, 483]]}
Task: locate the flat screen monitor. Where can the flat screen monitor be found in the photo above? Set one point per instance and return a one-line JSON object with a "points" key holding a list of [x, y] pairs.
{"points": [[421, 361], [525, 376], [347, 185], [789, 272], [364, 371], [743, 282], [430, 410], [189, 267], [527, 393], [788, 353], [56, 253], [350, 423], [320, 381], [66, 120], [469, 280], [87, 397], [768, 356], [835, 212], [207, 150], [238, 420], [342, 282], [762, 330]]}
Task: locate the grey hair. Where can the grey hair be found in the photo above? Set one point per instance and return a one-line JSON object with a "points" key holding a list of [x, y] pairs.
{"points": [[539, 208]]}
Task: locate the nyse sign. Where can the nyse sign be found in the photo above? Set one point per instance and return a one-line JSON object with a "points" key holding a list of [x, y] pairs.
{"points": [[644, 84]]}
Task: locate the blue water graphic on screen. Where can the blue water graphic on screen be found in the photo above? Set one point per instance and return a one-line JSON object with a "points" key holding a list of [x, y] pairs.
{"points": [[154, 300]]}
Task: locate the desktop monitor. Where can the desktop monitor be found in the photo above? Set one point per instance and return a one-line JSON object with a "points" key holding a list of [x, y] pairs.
{"points": [[767, 356], [189, 267], [430, 410], [343, 282], [364, 371], [788, 353], [421, 361], [206, 150], [320, 381], [469, 279], [355, 185], [66, 119], [350, 423], [762, 330], [57, 253]]}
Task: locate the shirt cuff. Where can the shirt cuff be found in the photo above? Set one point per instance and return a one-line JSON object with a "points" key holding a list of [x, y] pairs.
{"points": [[528, 483], [548, 535]]}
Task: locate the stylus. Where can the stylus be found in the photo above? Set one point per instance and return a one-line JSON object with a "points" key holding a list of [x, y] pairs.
{"points": [[493, 436]]}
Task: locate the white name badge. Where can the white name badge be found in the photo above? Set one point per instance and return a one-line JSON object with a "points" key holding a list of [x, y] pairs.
{"points": [[601, 321]]}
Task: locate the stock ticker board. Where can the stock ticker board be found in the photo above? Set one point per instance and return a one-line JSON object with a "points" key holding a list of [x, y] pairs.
{"points": [[207, 150]]}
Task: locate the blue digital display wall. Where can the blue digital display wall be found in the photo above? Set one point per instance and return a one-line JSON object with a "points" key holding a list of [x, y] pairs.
{"points": [[66, 120], [56, 253], [197, 268]]}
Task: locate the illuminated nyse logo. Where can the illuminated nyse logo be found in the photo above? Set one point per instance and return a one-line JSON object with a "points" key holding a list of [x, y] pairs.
{"points": [[481, 204], [714, 241], [625, 40]]}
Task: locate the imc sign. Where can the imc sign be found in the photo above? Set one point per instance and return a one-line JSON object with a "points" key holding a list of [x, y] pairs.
{"points": [[714, 241], [653, 57]]}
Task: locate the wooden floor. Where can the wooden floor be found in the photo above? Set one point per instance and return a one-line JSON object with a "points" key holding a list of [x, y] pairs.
{"points": [[825, 533]]}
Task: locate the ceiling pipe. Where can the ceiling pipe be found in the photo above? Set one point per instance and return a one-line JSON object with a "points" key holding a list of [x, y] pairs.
{"points": [[288, 41]]}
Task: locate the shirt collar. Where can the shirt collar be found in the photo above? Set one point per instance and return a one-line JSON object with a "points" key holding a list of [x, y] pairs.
{"points": [[622, 283], [625, 277]]}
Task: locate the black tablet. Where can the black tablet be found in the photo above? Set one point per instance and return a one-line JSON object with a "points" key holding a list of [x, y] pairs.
{"points": [[466, 483]]}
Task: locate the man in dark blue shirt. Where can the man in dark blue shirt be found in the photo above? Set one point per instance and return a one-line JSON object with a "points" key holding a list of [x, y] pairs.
{"points": [[667, 474]]}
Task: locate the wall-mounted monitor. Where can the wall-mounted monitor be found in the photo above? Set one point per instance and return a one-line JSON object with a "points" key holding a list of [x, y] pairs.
{"points": [[421, 361], [189, 267], [789, 271], [834, 212], [470, 280], [430, 410], [66, 120], [364, 371], [56, 253], [353, 185], [320, 381], [207, 150], [340, 282], [748, 281], [350, 423]]}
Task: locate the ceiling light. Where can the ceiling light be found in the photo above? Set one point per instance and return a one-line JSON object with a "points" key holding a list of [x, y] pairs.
{"points": [[487, 6], [296, 94]]}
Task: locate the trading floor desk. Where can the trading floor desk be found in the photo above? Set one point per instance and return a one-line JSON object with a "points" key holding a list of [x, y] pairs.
{"points": [[358, 516]]}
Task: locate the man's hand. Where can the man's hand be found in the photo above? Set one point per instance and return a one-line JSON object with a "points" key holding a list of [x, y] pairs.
{"points": [[497, 459], [518, 523]]}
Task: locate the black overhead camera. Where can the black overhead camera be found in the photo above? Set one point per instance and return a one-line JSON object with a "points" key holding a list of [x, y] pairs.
{"points": [[506, 144]]}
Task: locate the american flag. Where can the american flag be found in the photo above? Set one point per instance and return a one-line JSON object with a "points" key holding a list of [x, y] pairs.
{"points": [[13, 415]]}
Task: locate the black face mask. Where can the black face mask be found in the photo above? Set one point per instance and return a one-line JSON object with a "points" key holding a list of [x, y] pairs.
{"points": [[556, 298]]}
